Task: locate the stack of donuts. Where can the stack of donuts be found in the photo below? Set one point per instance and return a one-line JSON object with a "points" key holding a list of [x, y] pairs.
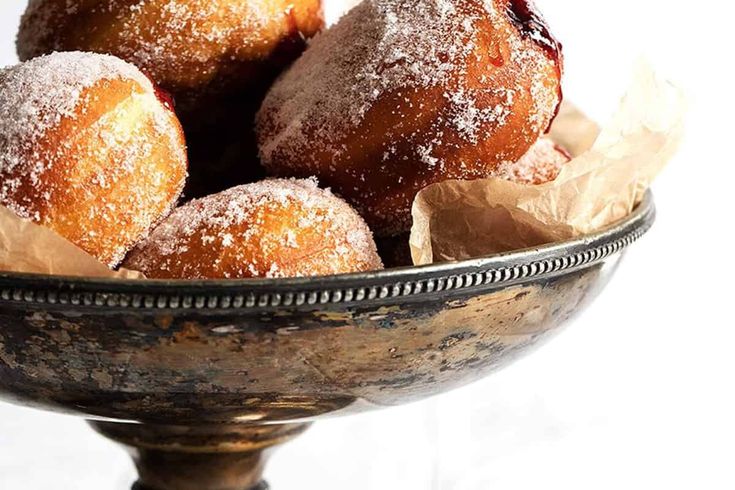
{"points": [[188, 139]]}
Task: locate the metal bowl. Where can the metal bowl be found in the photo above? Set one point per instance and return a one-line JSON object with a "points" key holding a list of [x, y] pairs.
{"points": [[199, 378]]}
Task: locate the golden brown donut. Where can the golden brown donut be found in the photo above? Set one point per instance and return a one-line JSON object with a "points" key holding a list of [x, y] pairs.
{"points": [[273, 228], [192, 48], [89, 150], [216, 57], [400, 94]]}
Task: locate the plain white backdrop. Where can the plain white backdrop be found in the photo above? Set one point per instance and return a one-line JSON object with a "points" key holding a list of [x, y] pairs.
{"points": [[638, 393]]}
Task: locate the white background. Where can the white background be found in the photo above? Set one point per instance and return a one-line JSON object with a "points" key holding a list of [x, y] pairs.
{"points": [[638, 393]]}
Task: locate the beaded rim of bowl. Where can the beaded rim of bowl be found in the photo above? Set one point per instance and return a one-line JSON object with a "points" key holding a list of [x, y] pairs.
{"points": [[25, 290]]}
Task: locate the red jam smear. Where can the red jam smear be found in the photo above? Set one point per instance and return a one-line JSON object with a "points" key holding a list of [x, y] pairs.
{"points": [[529, 21], [163, 96], [525, 15]]}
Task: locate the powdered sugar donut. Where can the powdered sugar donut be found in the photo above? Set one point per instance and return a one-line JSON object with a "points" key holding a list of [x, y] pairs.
{"points": [[273, 228], [216, 57], [400, 94], [89, 150], [192, 48]]}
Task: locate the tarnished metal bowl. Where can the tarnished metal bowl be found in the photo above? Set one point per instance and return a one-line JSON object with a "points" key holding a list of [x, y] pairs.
{"points": [[199, 378]]}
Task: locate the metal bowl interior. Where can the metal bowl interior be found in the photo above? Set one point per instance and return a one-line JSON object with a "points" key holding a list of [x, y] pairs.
{"points": [[257, 351]]}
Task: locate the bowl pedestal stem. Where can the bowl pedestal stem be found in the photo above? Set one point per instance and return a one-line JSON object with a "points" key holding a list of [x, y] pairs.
{"points": [[206, 457]]}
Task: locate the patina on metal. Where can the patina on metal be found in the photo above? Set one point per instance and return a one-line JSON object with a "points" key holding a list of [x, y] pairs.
{"points": [[200, 380]]}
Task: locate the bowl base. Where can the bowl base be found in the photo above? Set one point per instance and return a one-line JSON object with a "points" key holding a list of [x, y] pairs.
{"points": [[260, 486], [207, 457]]}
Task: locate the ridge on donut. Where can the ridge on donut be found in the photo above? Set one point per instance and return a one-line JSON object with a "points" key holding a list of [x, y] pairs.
{"points": [[400, 94], [88, 150]]}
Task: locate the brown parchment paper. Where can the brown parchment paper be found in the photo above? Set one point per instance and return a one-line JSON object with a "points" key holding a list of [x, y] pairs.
{"points": [[608, 177], [30, 248]]}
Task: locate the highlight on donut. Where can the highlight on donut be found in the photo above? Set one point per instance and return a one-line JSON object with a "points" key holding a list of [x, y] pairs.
{"points": [[88, 149], [274, 229], [193, 48], [400, 94]]}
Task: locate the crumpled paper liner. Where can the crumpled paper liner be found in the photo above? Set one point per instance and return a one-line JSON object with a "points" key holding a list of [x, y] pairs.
{"points": [[608, 177], [29, 248]]}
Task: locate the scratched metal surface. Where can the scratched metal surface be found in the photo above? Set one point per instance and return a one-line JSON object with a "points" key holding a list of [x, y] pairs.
{"points": [[266, 351]]}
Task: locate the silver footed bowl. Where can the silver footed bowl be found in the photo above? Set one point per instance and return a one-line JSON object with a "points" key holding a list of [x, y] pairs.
{"points": [[200, 379]]}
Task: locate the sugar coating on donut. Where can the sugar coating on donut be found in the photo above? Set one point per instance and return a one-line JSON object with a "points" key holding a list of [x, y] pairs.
{"points": [[183, 44], [38, 94], [173, 18], [273, 228], [402, 94], [394, 46], [57, 151], [541, 164]]}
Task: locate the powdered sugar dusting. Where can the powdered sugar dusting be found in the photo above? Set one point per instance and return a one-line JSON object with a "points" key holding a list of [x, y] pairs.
{"points": [[188, 33], [178, 22], [400, 94], [385, 46], [541, 164], [392, 44], [38, 94], [273, 228], [185, 45], [101, 180]]}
